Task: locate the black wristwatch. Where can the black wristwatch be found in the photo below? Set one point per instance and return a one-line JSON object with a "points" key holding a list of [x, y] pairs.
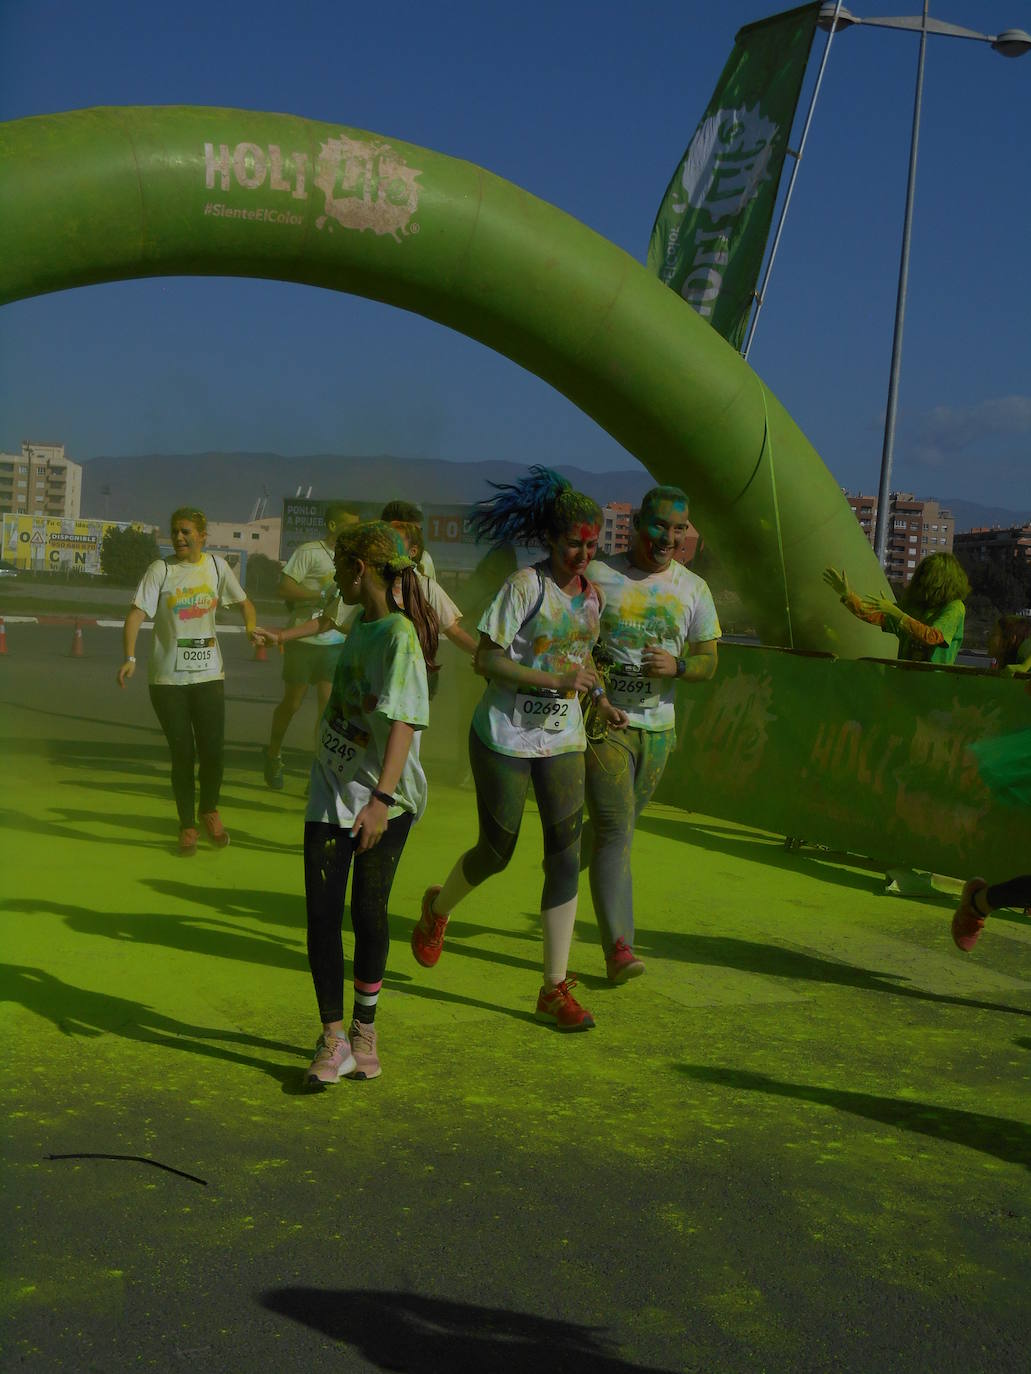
{"points": [[383, 797], [681, 667]]}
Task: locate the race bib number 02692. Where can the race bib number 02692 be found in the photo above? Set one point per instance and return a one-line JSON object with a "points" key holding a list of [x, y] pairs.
{"points": [[631, 693], [544, 713], [341, 746], [195, 655]]}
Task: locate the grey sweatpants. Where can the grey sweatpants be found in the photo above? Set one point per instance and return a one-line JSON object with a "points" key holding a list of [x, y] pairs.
{"points": [[623, 771]]}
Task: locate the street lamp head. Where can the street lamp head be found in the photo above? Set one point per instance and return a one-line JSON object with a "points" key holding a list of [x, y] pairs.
{"points": [[825, 19], [1011, 42]]}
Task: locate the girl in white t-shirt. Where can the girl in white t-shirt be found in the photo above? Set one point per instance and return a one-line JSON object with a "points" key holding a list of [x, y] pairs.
{"points": [[367, 788], [535, 648], [187, 680]]}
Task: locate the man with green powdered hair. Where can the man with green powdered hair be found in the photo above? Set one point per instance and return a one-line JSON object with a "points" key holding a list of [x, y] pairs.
{"points": [[658, 626]]}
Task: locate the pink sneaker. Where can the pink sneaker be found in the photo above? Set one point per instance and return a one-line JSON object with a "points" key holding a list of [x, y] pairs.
{"points": [[428, 933], [333, 1060], [968, 922], [622, 963], [362, 1036], [212, 823]]}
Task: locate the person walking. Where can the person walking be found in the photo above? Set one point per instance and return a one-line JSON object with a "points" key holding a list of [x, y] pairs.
{"points": [[367, 789], [535, 648], [185, 671], [658, 627], [409, 513], [306, 584]]}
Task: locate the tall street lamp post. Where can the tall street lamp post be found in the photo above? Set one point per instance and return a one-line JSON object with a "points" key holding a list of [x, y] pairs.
{"points": [[1009, 43]]}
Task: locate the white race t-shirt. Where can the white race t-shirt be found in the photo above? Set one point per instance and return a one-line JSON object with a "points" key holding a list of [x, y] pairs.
{"points": [[447, 612], [672, 609], [527, 723], [181, 598], [311, 566], [380, 678]]}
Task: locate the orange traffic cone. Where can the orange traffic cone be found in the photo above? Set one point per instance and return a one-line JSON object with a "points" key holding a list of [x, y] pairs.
{"points": [[3, 636], [76, 649], [260, 653]]}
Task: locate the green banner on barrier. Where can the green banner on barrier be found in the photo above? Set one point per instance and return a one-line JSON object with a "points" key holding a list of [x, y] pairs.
{"points": [[710, 233], [864, 756]]}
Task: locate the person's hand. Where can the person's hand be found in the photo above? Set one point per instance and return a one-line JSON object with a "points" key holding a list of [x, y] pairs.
{"points": [[370, 824], [577, 680], [259, 635], [125, 672], [837, 581], [657, 662], [612, 716], [882, 604]]}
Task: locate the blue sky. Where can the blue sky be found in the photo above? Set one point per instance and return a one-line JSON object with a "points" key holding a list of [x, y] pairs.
{"points": [[588, 106]]}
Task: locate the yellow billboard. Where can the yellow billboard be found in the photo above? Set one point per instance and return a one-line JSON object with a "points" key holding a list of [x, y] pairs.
{"points": [[48, 543]]}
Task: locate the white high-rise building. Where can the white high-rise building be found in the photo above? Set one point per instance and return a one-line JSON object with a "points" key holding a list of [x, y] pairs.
{"points": [[40, 481]]}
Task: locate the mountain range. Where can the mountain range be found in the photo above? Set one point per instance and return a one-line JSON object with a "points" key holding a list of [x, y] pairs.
{"points": [[228, 486]]}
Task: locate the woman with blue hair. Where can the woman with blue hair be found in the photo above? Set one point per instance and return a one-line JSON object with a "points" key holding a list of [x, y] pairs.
{"points": [[536, 639]]}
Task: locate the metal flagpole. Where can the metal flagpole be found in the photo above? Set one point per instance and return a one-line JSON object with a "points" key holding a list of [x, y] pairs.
{"points": [[884, 488], [761, 293]]}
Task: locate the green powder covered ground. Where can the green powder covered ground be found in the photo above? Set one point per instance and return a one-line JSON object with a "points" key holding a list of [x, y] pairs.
{"points": [[800, 1142]]}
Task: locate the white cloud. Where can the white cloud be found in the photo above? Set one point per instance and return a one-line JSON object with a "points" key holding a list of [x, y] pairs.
{"points": [[947, 431]]}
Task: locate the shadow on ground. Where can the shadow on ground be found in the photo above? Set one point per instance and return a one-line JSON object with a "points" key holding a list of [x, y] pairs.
{"points": [[421, 1335], [1000, 1137]]}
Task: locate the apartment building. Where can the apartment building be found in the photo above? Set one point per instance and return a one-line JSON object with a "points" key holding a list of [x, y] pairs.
{"points": [[915, 528], [617, 527], [1012, 544], [40, 480]]}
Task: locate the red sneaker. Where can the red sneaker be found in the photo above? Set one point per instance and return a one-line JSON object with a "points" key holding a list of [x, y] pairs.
{"points": [[968, 922], [559, 1005], [622, 963], [187, 841], [212, 823], [428, 933]]}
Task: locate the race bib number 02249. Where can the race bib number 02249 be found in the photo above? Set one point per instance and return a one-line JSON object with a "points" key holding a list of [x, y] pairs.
{"points": [[544, 713], [341, 746]]}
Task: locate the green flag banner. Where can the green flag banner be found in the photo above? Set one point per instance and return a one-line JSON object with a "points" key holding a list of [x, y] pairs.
{"points": [[710, 234]]}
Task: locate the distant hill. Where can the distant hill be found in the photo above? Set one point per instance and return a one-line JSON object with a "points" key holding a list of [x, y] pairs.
{"points": [[227, 485], [969, 514]]}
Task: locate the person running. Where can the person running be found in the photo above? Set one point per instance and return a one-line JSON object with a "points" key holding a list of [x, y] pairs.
{"points": [[185, 672], [658, 626], [928, 621], [536, 639], [367, 789], [305, 585], [400, 513]]}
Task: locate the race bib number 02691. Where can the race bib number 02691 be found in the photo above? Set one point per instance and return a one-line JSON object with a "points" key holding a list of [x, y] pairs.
{"points": [[195, 655], [631, 693], [341, 746], [544, 713]]}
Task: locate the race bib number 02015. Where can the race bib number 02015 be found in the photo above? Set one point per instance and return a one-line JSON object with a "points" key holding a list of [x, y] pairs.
{"points": [[195, 655], [631, 693], [544, 713], [341, 746]]}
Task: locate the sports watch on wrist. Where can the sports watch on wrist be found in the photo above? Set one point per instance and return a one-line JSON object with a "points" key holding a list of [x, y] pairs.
{"points": [[681, 667], [383, 797]]}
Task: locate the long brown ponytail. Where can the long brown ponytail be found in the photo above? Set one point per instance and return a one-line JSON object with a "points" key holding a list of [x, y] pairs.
{"points": [[379, 547]]}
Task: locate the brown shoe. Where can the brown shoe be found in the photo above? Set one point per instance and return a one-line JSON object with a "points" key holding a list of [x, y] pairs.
{"points": [[187, 841], [212, 823]]}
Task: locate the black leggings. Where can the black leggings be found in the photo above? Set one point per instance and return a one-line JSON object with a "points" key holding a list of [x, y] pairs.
{"points": [[501, 786], [1013, 892], [328, 851], [193, 713]]}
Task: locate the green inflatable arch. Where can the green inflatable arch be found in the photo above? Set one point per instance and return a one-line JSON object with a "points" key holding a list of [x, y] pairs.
{"points": [[106, 194]]}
